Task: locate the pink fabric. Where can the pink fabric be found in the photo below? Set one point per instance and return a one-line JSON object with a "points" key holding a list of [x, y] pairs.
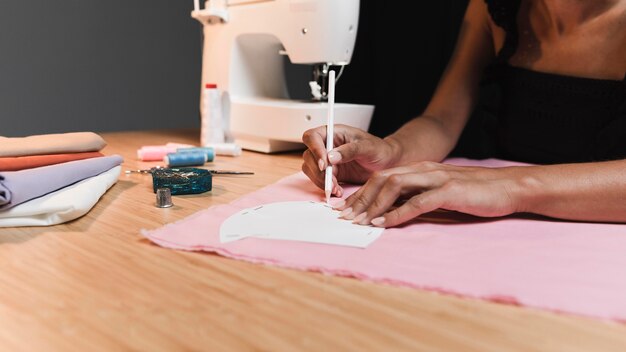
{"points": [[576, 268]]}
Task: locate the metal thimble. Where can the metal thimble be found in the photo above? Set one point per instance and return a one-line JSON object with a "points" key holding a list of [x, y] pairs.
{"points": [[163, 198]]}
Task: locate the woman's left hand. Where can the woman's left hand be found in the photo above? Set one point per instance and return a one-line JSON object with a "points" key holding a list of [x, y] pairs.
{"points": [[428, 186]]}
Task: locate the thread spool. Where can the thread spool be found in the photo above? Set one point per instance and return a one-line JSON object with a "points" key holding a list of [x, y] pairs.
{"points": [[158, 152], [154, 153], [230, 149], [210, 152], [185, 159], [211, 129]]}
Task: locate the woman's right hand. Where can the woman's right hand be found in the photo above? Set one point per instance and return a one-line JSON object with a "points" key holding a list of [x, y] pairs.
{"points": [[357, 154]]}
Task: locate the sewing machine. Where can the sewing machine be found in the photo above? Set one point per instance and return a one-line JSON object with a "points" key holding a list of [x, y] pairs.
{"points": [[245, 42]]}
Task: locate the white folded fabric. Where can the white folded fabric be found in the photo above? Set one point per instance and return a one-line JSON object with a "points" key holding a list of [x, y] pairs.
{"points": [[63, 205]]}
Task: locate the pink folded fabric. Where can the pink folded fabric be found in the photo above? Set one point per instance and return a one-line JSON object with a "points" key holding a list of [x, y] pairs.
{"points": [[28, 162], [560, 266], [58, 143]]}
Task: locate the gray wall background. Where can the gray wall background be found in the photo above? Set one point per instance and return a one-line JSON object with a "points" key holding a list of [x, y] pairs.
{"points": [[98, 65]]}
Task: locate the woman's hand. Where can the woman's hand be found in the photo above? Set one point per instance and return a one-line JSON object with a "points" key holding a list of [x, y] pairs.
{"points": [[357, 155], [428, 186]]}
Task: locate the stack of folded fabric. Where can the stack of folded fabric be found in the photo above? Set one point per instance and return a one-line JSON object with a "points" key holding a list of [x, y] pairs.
{"points": [[53, 178]]}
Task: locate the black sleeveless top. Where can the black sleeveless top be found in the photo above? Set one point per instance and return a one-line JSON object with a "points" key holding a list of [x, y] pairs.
{"points": [[548, 118]]}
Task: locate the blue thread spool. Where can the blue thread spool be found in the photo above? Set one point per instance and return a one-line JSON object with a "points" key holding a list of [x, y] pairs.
{"points": [[185, 159], [210, 152]]}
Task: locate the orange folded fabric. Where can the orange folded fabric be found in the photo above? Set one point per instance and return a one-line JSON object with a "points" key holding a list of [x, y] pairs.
{"points": [[32, 161]]}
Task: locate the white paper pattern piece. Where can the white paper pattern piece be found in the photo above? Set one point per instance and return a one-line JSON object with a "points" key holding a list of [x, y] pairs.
{"points": [[304, 221]]}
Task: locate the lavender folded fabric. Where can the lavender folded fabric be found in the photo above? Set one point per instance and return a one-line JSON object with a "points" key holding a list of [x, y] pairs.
{"points": [[20, 186]]}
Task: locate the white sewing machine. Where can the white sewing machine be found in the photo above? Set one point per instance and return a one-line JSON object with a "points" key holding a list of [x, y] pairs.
{"points": [[244, 45]]}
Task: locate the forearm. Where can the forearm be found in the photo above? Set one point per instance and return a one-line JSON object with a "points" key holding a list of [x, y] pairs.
{"points": [[585, 192]]}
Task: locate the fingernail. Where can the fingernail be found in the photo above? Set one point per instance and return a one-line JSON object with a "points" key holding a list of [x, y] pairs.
{"points": [[359, 218], [340, 192], [345, 212], [378, 221], [340, 203], [320, 164], [334, 156]]}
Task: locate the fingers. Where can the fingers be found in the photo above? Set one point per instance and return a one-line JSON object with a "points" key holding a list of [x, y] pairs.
{"points": [[310, 169], [315, 140], [351, 151], [351, 143], [388, 195], [432, 186], [414, 207], [384, 188], [360, 200], [337, 189], [393, 188]]}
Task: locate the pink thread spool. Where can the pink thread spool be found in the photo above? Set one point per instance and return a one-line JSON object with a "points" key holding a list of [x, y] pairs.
{"points": [[154, 153], [157, 152]]}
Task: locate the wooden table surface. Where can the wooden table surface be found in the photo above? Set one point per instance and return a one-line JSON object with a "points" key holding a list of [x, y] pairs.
{"points": [[95, 284]]}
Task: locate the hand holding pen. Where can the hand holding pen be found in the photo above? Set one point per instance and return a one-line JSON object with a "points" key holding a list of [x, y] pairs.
{"points": [[350, 154], [355, 157]]}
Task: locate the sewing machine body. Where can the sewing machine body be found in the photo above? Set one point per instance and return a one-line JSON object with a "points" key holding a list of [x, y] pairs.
{"points": [[245, 43]]}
